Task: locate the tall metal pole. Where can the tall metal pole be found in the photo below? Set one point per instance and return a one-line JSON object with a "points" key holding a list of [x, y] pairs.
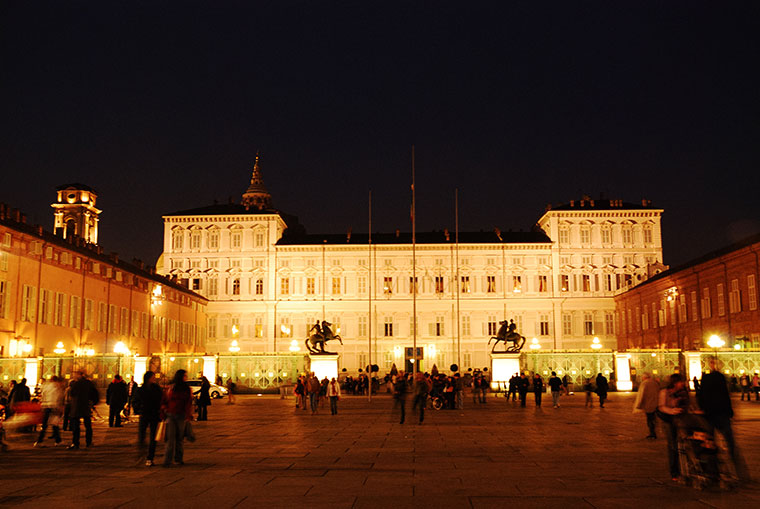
{"points": [[369, 292], [456, 240], [415, 368]]}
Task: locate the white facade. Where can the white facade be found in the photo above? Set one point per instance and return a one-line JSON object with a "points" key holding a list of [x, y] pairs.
{"points": [[266, 295]]}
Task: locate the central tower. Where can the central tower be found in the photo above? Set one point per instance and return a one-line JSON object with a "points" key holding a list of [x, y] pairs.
{"points": [[257, 195], [75, 213]]}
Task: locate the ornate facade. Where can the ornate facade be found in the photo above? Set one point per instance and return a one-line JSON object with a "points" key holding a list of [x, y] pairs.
{"points": [[268, 282]]}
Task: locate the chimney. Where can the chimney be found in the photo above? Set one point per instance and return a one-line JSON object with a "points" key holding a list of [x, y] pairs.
{"points": [[498, 234], [446, 234], [38, 228], [572, 203], [398, 233], [114, 257], [348, 236], [23, 218]]}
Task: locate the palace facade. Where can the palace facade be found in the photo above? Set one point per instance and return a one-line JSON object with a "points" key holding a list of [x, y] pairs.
{"points": [[267, 281]]}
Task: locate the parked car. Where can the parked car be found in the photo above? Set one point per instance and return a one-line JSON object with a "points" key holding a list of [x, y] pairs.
{"points": [[216, 391]]}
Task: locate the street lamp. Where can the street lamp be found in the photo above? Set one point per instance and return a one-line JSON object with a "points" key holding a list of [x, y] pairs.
{"points": [[595, 344], [294, 347], [534, 345], [59, 349], [234, 347], [715, 342]]}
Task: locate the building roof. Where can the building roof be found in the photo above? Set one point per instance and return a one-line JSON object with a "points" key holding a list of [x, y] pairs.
{"points": [[434, 237], [588, 203], [76, 185], [222, 209], [748, 241]]}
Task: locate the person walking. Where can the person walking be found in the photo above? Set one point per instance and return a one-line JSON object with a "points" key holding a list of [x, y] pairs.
{"points": [[744, 386], [602, 386], [756, 387], [67, 406], [422, 386], [204, 399], [300, 392], [459, 391], [556, 385], [84, 396], [313, 386], [333, 392], [522, 388], [177, 410], [230, 391], [588, 388], [512, 387], [647, 400], [147, 404], [116, 398], [52, 409], [715, 402], [673, 403], [538, 389], [485, 383], [399, 393]]}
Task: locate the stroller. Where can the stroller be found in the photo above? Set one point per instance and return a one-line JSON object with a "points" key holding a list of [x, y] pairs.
{"points": [[703, 462]]}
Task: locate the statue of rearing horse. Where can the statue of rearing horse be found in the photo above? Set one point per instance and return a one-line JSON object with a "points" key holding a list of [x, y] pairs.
{"points": [[315, 343], [508, 334]]}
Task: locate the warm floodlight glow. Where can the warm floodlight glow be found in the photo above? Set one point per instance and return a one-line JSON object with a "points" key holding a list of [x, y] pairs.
{"points": [[59, 349], [715, 341], [234, 345], [595, 344], [534, 344], [294, 347], [121, 348]]}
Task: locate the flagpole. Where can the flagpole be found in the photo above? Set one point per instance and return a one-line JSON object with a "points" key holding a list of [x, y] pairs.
{"points": [[456, 240], [369, 292], [415, 368]]}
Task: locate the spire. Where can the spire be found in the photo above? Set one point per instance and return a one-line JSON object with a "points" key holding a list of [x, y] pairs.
{"points": [[257, 195]]}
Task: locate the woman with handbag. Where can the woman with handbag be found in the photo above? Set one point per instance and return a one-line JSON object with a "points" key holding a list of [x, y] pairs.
{"points": [[177, 410], [673, 405]]}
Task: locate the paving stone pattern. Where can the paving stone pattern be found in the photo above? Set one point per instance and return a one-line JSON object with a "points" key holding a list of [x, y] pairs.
{"points": [[261, 452]]}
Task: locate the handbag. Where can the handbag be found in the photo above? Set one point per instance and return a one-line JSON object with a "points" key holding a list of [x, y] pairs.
{"points": [[161, 431]]}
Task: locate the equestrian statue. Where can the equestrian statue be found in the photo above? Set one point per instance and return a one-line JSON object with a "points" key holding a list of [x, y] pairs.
{"points": [[318, 336], [508, 334]]}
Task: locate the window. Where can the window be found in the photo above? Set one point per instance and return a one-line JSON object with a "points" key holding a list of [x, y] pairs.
{"points": [[438, 329], [362, 330], [236, 286], [585, 235], [606, 235], [647, 234], [645, 318], [74, 313], [706, 304], [285, 286], [608, 282], [564, 282], [336, 286], [213, 239], [586, 280], [310, 286], [413, 329], [627, 234], [45, 307], [195, 240], [735, 297], [258, 327], [235, 327], [135, 323], [4, 292], [388, 327], [543, 284], [490, 284], [27, 303], [661, 316], [59, 314], [4, 261], [516, 284], [259, 288], [682, 308], [413, 282], [387, 284], [196, 284], [213, 286], [465, 328], [89, 310], [177, 240], [439, 284], [465, 284], [751, 292], [588, 324], [564, 235], [361, 285], [259, 240], [694, 314], [143, 325], [720, 299], [543, 325], [492, 326], [609, 323], [113, 318], [235, 240], [567, 324]]}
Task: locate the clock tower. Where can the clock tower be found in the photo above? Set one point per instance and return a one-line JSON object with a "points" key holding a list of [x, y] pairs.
{"points": [[75, 213]]}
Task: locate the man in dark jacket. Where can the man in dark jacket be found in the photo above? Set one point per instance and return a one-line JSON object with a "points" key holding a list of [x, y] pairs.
{"points": [[715, 402], [116, 398], [522, 388], [84, 396], [601, 388], [147, 403]]}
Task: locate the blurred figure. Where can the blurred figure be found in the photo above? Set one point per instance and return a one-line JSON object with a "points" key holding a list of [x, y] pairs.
{"points": [[422, 386], [84, 396], [230, 391], [602, 386], [715, 402], [177, 409], [646, 401], [204, 399], [538, 389], [313, 387], [147, 403], [672, 404], [399, 394], [555, 384], [52, 409], [67, 406], [588, 388], [116, 398], [333, 392], [522, 388]]}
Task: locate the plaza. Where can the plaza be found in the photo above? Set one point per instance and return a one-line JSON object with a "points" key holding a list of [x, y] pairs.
{"points": [[262, 452]]}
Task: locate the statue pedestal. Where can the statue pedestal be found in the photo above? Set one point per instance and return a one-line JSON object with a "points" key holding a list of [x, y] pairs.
{"points": [[324, 365], [623, 371], [503, 366]]}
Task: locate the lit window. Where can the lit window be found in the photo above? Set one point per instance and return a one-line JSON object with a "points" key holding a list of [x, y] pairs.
{"points": [[465, 284], [387, 285], [236, 286], [490, 284]]}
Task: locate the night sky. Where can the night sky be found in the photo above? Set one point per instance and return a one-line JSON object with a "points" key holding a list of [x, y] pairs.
{"points": [[162, 106]]}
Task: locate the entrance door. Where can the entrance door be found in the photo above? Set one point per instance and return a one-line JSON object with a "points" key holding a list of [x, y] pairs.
{"points": [[410, 359]]}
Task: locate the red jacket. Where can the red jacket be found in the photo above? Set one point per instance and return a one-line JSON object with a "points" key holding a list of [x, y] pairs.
{"points": [[177, 403]]}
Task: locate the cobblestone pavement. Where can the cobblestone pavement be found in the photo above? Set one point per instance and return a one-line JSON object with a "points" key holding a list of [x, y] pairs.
{"points": [[262, 452]]}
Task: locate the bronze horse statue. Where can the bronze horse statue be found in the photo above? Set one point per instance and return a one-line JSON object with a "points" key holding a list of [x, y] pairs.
{"points": [[316, 342], [508, 334]]}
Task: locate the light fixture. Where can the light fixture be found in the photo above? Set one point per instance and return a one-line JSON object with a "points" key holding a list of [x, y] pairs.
{"points": [[737, 346], [234, 345], [294, 347], [171, 359], [235, 331], [271, 374], [59, 349], [595, 344], [431, 350], [195, 361], [715, 342], [89, 352], [157, 296], [534, 345], [121, 348]]}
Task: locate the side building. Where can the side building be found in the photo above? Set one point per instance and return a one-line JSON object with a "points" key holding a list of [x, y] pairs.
{"points": [[268, 282], [65, 300]]}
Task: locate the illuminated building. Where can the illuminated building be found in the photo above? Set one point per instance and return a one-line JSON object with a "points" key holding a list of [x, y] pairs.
{"points": [[268, 282]]}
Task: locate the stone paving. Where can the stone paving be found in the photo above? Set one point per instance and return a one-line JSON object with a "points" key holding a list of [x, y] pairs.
{"points": [[261, 452]]}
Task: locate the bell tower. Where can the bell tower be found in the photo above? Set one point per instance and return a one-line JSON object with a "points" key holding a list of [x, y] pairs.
{"points": [[75, 214], [257, 195]]}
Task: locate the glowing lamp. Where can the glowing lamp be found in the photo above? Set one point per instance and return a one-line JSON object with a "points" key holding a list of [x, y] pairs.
{"points": [[715, 342], [234, 347], [595, 344], [59, 349]]}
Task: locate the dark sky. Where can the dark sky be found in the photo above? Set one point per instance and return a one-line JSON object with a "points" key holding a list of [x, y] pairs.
{"points": [[161, 106]]}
